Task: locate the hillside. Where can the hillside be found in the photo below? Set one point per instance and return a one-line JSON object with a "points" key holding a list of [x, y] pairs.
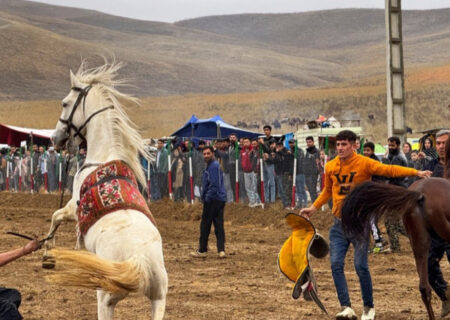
{"points": [[324, 30], [211, 55]]}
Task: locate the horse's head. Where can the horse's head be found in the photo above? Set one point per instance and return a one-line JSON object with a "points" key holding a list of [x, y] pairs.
{"points": [[70, 123]]}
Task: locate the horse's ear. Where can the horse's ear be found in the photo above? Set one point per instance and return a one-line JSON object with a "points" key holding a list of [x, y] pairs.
{"points": [[74, 81]]}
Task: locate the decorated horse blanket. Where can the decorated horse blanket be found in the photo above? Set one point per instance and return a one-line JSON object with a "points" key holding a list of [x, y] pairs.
{"points": [[293, 259], [109, 188]]}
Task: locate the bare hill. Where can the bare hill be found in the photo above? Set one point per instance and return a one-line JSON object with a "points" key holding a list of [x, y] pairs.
{"points": [[323, 30], [226, 54]]}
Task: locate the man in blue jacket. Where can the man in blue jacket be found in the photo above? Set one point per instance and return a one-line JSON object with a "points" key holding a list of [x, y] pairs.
{"points": [[213, 197]]}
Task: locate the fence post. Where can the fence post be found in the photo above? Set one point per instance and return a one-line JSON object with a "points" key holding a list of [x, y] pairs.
{"points": [[322, 174], [60, 172], [31, 172], [7, 172], [169, 165], [20, 173], [261, 169], [45, 170], [236, 151], [294, 174], [191, 178]]}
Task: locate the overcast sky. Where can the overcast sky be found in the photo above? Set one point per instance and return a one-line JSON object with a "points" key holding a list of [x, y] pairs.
{"points": [[175, 10]]}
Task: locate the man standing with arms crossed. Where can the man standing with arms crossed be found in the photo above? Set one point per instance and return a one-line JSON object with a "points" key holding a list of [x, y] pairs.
{"points": [[341, 174], [213, 197]]}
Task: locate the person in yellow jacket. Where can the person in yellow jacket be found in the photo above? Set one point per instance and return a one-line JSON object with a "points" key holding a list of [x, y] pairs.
{"points": [[341, 174]]}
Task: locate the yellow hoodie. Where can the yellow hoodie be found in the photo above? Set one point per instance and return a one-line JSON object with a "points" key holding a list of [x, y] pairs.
{"points": [[342, 175]]}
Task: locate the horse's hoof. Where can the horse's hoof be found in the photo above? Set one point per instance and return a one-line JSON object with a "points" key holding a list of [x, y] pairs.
{"points": [[48, 262]]}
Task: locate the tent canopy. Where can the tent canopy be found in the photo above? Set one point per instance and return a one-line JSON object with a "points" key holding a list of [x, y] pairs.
{"points": [[12, 135], [211, 128]]}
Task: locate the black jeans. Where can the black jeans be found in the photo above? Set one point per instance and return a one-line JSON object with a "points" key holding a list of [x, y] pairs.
{"points": [[438, 247], [212, 213], [9, 304], [311, 184], [163, 185]]}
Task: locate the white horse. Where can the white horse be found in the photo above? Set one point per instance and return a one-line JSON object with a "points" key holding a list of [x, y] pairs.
{"points": [[127, 245]]}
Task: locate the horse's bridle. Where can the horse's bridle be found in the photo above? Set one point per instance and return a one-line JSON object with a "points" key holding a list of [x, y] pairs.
{"points": [[83, 92]]}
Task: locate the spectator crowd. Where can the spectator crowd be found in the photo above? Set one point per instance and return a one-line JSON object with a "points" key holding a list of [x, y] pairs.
{"points": [[276, 160], [39, 169], [43, 169]]}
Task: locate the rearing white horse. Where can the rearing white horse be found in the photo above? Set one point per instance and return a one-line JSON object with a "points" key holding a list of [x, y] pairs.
{"points": [[126, 243]]}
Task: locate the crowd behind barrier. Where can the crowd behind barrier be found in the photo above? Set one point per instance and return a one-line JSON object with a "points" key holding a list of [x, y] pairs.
{"points": [[39, 169], [256, 171]]}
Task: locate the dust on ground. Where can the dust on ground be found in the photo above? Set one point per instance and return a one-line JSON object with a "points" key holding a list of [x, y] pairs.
{"points": [[245, 285]]}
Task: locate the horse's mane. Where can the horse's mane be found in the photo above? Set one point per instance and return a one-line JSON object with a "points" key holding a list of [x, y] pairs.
{"points": [[126, 139]]}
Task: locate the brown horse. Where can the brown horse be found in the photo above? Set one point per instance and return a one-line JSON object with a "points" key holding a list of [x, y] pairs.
{"points": [[424, 207]]}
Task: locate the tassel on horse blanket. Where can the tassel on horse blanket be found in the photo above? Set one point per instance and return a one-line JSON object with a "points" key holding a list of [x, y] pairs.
{"points": [[293, 259]]}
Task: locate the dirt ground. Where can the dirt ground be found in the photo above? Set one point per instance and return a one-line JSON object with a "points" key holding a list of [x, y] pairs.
{"points": [[245, 285]]}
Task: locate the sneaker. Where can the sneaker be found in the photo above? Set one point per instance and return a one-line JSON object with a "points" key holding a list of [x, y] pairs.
{"points": [[346, 314], [222, 255], [381, 249], [197, 254], [368, 314], [252, 205]]}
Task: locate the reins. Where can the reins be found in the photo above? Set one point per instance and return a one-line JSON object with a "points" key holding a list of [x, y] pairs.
{"points": [[83, 92], [41, 242]]}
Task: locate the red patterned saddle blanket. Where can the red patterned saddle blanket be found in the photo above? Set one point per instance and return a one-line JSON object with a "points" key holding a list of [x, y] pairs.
{"points": [[109, 188]]}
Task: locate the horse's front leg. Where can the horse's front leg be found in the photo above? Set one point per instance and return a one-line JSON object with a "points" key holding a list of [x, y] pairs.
{"points": [[68, 213], [419, 238]]}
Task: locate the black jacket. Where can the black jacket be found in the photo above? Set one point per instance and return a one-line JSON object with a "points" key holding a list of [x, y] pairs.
{"points": [[310, 163], [436, 167], [398, 159], [280, 162]]}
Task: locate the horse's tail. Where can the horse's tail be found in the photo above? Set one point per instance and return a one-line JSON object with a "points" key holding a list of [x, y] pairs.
{"points": [[369, 201], [84, 269]]}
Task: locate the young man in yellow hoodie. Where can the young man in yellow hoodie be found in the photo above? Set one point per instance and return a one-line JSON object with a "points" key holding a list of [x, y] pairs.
{"points": [[341, 174]]}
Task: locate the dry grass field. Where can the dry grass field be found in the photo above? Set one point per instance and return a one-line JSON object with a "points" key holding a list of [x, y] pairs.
{"points": [[426, 105]]}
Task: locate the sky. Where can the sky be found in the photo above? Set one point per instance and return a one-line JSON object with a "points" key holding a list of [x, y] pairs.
{"points": [[175, 10]]}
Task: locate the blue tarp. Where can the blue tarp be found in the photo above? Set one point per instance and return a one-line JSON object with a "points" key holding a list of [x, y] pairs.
{"points": [[211, 128]]}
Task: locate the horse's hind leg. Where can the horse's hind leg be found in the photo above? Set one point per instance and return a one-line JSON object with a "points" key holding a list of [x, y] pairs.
{"points": [[157, 294], [106, 303], [419, 238], [158, 308]]}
